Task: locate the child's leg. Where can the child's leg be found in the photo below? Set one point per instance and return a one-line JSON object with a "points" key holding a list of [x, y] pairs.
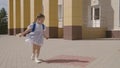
{"points": [[38, 50], [37, 53], [34, 48], [33, 52]]}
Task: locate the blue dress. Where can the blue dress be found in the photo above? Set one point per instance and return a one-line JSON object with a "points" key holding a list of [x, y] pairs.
{"points": [[36, 37]]}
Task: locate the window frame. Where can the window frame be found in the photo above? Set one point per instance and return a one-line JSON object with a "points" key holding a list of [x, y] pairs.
{"points": [[91, 15]]}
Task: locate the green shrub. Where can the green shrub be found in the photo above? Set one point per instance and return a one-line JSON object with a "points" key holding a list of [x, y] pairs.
{"points": [[3, 21]]}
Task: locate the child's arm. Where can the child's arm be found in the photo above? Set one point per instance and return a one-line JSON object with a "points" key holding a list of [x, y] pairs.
{"points": [[25, 32], [45, 35]]}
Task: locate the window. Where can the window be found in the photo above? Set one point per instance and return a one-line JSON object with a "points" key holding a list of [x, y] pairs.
{"points": [[60, 15], [97, 13], [94, 14], [60, 11]]}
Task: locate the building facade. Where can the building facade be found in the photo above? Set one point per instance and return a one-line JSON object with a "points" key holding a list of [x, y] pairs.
{"points": [[68, 19]]}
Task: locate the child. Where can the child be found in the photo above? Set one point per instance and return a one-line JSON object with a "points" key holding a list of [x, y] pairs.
{"points": [[35, 33]]}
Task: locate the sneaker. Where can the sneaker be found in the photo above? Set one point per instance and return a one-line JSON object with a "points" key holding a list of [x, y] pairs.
{"points": [[33, 57], [37, 60]]}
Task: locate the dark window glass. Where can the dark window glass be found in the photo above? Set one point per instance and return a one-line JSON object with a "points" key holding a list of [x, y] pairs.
{"points": [[97, 13], [91, 13]]}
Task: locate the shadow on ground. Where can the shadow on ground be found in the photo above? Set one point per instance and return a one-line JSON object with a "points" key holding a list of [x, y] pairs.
{"points": [[63, 61]]}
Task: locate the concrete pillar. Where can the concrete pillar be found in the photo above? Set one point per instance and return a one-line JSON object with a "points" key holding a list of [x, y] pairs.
{"points": [[25, 14], [10, 17], [73, 19], [114, 27], [51, 17], [36, 8], [17, 16]]}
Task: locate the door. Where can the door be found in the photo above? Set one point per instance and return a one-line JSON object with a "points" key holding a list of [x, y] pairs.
{"points": [[95, 16]]}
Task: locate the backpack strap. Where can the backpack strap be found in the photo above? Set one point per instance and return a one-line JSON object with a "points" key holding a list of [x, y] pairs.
{"points": [[34, 25], [43, 26]]}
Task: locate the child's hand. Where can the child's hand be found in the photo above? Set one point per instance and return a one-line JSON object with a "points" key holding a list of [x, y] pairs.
{"points": [[47, 38], [20, 35]]}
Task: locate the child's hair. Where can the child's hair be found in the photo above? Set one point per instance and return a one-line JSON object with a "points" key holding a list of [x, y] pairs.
{"points": [[40, 16]]}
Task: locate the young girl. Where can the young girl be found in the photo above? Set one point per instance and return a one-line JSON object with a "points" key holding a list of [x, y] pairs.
{"points": [[35, 33]]}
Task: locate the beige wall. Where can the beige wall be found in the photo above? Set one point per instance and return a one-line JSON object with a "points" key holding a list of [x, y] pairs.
{"points": [[73, 13], [107, 14], [115, 5], [68, 13], [25, 13], [10, 14], [92, 32], [35, 9], [76, 13], [17, 12], [51, 12], [110, 14]]}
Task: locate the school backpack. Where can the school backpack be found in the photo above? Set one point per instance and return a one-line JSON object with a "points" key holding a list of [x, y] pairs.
{"points": [[34, 25]]}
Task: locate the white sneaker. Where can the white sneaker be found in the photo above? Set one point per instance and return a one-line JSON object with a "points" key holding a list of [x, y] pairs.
{"points": [[37, 60], [33, 57]]}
